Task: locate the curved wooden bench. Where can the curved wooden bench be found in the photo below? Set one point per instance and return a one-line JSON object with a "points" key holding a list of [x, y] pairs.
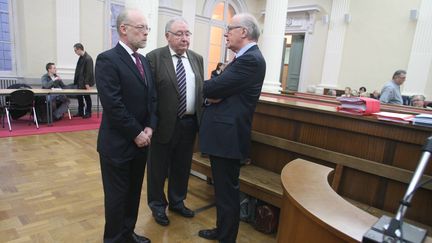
{"points": [[312, 212]]}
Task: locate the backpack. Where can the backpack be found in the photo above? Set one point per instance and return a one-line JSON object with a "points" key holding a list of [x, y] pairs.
{"points": [[267, 218]]}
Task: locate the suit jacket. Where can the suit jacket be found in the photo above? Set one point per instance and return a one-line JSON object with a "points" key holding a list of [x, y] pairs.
{"points": [[226, 126], [48, 83], [84, 72], [167, 89], [129, 104]]}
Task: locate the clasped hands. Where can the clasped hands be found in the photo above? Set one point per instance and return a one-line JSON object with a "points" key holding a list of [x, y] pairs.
{"points": [[144, 138]]}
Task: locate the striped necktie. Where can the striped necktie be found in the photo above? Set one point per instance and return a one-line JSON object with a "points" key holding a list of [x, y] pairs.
{"points": [[181, 80]]}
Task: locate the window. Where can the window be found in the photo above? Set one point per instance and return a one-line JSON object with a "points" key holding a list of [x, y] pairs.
{"points": [[115, 11], [222, 13], [6, 44]]}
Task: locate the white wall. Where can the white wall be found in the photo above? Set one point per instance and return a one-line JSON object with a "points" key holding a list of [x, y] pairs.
{"points": [[36, 27], [378, 42], [92, 26]]}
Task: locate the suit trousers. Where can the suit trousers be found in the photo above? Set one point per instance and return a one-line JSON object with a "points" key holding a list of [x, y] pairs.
{"points": [[171, 160], [122, 188], [88, 104], [227, 193]]}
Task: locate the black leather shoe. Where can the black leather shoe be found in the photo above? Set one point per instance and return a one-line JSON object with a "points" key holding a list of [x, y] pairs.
{"points": [[86, 116], [209, 234], [161, 218], [183, 211], [134, 238]]}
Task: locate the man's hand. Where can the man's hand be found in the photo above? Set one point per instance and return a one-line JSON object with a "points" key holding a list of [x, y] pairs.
{"points": [[142, 140], [149, 132], [213, 101], [87, 86]]}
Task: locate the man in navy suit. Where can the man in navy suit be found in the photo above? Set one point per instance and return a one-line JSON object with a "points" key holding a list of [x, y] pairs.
{"points": [[128, 97], [226, 123]]}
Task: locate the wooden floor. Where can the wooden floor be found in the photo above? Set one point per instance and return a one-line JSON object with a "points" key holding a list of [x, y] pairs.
{"points": [[51, 191]]}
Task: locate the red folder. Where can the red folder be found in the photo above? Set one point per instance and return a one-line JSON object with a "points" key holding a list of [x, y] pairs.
{"points": [[358, 105]]}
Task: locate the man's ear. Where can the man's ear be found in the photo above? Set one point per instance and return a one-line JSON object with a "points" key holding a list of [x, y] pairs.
{"points": [[244, 33]]}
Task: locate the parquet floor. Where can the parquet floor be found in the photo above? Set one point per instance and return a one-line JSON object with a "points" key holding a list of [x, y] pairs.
{"points": [[51, 191]]}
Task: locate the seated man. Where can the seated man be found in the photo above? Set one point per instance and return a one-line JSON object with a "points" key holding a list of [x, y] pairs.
{"points": [[59, 103], [418, 101]]}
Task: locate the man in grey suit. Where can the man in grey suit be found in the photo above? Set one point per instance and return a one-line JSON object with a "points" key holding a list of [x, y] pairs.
{"points": [[178, 75]]}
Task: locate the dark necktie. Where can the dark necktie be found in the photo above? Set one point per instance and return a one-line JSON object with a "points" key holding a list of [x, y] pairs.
{"points": [[139, 64], [181, 80]]}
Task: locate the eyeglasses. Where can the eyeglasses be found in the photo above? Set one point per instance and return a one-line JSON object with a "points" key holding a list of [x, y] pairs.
{"points": [[180, 34], [229, 28], [140, 28]]}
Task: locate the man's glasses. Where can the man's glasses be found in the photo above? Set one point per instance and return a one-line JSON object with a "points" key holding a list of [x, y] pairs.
{"points": [[229, 28], [180, 34], [140, 28]]}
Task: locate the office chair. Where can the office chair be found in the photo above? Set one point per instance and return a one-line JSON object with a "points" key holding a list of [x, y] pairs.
{"points": [[21, 100]]}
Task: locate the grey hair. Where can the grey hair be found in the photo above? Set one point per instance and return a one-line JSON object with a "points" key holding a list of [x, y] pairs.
{"points": [[121, 18], [251, 24], [172, 21], [418, 97], [398, 72]]}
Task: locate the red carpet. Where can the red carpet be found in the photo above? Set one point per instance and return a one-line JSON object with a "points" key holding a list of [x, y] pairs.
{"points": [[21, 126]]}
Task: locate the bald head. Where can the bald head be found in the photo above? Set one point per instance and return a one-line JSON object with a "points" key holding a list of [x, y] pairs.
{"points": [[132, 28]]}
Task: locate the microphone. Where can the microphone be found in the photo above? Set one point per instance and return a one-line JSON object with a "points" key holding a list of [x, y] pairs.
{"points": [[395, 230]]}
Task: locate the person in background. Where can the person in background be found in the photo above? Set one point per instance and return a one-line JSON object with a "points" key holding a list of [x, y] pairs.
{"points": [[59, 103], [332, 92], [390, 93], [83, 79], [218, 70], [362, 92], [348, 92], [179, 74], [126, 90], [375, 95], [418, 101], [225, 130]]}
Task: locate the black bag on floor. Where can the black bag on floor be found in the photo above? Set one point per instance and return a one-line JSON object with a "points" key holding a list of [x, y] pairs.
{"points": [[41, 109], [247, 208]]}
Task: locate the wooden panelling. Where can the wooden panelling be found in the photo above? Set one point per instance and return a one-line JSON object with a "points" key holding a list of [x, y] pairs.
{"points": [[313, 212], [378, 157]]}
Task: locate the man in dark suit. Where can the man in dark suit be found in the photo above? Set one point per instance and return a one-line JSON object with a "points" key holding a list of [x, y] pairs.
{"points": [[126, 90], [83, 79], [178, 75], [226, 123]]}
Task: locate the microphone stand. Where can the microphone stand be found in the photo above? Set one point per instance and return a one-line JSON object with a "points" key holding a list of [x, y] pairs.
{"points": [[394, 230]]}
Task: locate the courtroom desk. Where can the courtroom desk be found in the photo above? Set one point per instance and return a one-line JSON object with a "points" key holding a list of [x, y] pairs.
{"points": [[312, 212], [332, 101], [373, 159]]}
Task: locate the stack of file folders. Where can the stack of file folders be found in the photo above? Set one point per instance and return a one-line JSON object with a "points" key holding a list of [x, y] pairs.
{"points": [[394, 117], [358, 105], [423, 120]]}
